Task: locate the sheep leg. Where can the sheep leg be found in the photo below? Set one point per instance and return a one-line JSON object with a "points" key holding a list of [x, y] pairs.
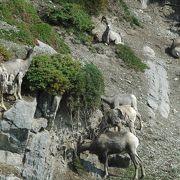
{"points": [[141, 166], [20, 77], [135, 162], [106, 165], [2, 102], [15, 91]]}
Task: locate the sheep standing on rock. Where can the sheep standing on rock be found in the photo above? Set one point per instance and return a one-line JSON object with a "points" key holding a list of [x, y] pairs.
{"points": [[175, 48], [109, 143], [109, 35], [11, 75]]}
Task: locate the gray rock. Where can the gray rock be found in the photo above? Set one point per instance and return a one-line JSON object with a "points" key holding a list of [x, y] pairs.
{"points": [[39, 124], [5, 126], [21, 114], [151, 103], [10, 158], [149, 52], [43, 48], [18, 51], [7, 27], [15, 140], [38, 159], [10, 177], [158, 95]]}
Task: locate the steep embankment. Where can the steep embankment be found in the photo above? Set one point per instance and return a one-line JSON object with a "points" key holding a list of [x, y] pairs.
{"points": [[157, 90], [35, 144]]}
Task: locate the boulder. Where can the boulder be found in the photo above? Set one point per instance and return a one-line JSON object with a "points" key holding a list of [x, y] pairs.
{"points": [[21, 114]]}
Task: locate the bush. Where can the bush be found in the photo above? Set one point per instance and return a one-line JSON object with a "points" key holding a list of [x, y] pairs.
{"points": [[71, 15], [131, 60], [59, 74], [4, 53], [52, 74], [91, 6], [90, 86]]}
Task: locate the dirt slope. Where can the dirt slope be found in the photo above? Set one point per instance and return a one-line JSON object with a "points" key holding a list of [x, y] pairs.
{"points": [[160, 141]]}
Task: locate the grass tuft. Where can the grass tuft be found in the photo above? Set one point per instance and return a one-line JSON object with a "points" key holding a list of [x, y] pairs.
{"points": [[5, 54], [130, 59]]}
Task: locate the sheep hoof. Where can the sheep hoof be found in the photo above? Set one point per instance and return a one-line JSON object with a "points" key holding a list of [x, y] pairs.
{"points": [[142, 176], [106, 176]]}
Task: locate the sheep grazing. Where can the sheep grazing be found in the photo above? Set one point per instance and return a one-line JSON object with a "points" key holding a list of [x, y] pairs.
{"points": [[121, 99], [109, 143], [109, 35], [175, 48]]}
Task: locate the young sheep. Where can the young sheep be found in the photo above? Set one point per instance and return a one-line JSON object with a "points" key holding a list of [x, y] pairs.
{"points": [[109, 120], [109, 143], [129, 115], [11, 75], [121, 99], [175, 48], [109, 35], [122, 115]]}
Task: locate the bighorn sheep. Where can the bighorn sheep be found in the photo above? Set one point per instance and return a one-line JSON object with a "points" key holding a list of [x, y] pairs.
{"points": [[109, 143], [109, 35], [175, 48], [12, 73], [129, 115], [109, 120], [121, 99], [122, 115]]}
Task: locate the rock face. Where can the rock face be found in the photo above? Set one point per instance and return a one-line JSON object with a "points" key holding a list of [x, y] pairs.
{"points": [[38, 158], [21, 114], [158, 95], [27, 149], [15, 126]]}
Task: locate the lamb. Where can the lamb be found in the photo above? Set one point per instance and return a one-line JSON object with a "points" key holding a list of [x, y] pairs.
{"points": [[109, 35], [109, 143], [121, 99], [175, 48], [109, 120], [129, 115], [12, 73], [122, 115]]}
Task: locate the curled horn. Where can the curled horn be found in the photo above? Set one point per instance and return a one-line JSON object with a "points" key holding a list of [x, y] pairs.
{"points": [[103, 19]]}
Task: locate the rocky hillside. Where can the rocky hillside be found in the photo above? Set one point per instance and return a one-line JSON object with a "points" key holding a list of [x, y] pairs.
{"points": [[38, 134]]}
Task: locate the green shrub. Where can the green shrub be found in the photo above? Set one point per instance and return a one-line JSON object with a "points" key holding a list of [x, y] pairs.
{"points": [[71, 15], [4, 53], [128, 56], [61, 74], [22, 15], [90, 85], [52, 74], [91, 6]]}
